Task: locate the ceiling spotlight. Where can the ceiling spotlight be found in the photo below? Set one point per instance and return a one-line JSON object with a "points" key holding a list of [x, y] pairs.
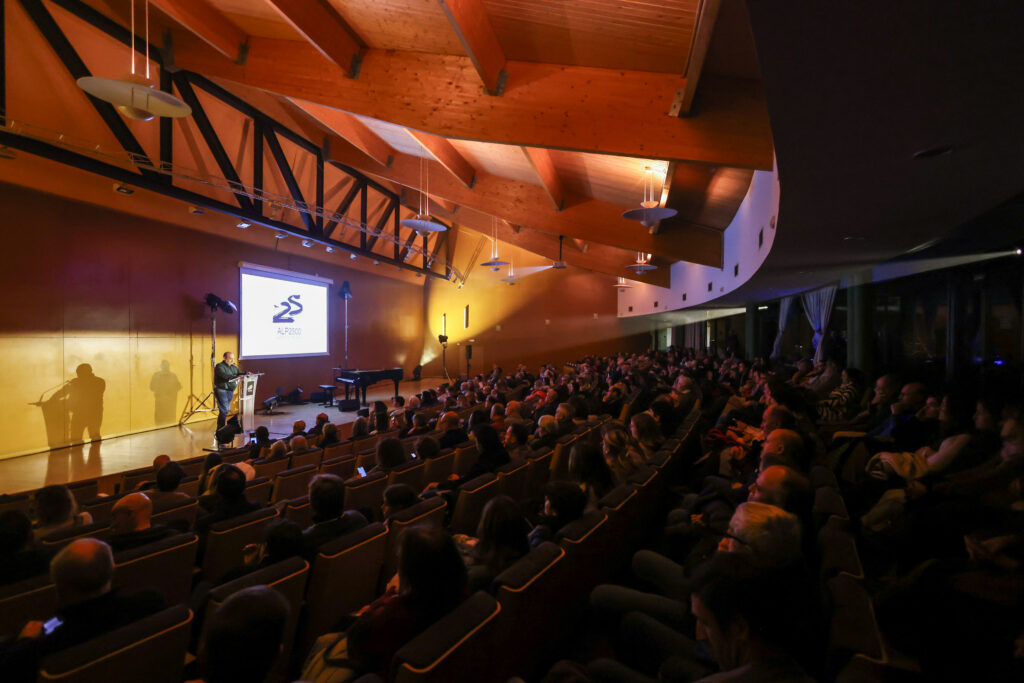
{"points": [[243, 224], [196, 210], [307, 243], [353, 256], [7, 153], [281, 235], [376, 262], [559, 264], [1018, 252], [121, 188], [329, 249]]}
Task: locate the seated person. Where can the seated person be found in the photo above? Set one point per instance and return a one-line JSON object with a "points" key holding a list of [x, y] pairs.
{"points": [[360, 429], [453, 433], [398, 497], [498, 416], [501, 539], [244, 638], [278, 451], [330, 518], [647, 433], [563, 415], [283, 541], [588, 468], [227, 499], [431, 583], [389, 454], [546, 435], [87, 607], [210, 465], [380, 421], [492, 453], [317, 431], [262, 441], [130, 526], [517, 438], [298, 444], [564, 502], [158, 462], [166, 494], [513, 413], [298, 429], [420, 425], [330, 436], [20, 559], [57, 509], [621, 453], [427, 447]]}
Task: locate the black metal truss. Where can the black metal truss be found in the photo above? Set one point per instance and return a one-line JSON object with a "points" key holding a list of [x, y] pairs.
{"points": [[319, 224]]}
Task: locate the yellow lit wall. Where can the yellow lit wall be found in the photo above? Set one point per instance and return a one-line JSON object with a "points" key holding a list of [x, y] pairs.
{"points": [[548, 316]]}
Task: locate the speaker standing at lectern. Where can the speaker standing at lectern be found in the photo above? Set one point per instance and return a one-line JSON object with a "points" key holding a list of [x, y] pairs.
{"points": [[225, 380]]}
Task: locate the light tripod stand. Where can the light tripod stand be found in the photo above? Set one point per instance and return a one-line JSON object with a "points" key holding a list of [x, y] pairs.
{"points": [[194, 404]]}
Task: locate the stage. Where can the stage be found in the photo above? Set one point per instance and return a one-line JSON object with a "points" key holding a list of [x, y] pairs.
{"points": [[109, 457]]}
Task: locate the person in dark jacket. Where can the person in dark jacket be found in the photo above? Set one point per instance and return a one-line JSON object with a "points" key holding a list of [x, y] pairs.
{"points": [[330, 518]]}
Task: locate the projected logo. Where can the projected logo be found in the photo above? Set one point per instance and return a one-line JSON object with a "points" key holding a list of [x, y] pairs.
{"points": [[285, 313]]}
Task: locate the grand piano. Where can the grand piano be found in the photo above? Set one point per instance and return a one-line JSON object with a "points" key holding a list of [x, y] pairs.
{"points": [[360, 379]]}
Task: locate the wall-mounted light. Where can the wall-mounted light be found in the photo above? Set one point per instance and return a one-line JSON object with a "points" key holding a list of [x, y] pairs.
{"points": [[121, 188]]}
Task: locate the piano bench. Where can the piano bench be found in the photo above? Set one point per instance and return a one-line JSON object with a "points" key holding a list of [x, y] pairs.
{"points": [[329, 390]]}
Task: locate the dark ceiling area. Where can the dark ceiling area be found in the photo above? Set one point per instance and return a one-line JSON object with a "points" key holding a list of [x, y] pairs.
{"points": [[894, 124]]}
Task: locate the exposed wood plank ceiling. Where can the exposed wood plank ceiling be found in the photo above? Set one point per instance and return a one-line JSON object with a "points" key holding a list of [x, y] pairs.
{"points": [[585, 90]]}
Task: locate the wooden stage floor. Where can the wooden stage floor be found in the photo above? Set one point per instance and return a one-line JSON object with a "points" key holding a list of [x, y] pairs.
{"points": [[109, 457]]}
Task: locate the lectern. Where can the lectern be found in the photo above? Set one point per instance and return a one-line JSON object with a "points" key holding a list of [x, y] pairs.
{"points": [[247, 400]]}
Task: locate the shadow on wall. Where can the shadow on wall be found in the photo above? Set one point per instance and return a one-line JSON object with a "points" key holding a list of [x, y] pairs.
{"points": [[165, 386], [74, 408]]}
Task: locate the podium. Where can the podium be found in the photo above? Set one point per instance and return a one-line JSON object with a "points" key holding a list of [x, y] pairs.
{"points": [[247, 400]]}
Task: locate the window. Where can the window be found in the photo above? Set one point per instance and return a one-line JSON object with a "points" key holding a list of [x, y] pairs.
{"points": [[444, 324], [684, 296], [465, 320], [736, 270], [709, 286]]}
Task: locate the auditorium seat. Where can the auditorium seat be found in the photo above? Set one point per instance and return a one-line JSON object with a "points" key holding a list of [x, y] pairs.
{"points": [[343, 579], [233, 455], [288, 578], [648, 482], [100, 507], [338, 450], [58, 539], [312, 456], [621, 504], [364, 444], [165, 566], [533, 598], [226, 540], [838, 554], [822, 476], [429, 512], [366, 494], [189, 486], [512, 478], [181, 516], [470, 501], [17, 501], [537, 475], [299, 510], [292, 483], [828, 502], [466, 455], [84, 490], [270, 469], [192, 467], [560, 458], [366, 460], [439, 468], [29, 600], [258, 490], [463, 645], [131, 479], [586, 543], [151, 649], [343, 466], [853, 628], [410, 473]]}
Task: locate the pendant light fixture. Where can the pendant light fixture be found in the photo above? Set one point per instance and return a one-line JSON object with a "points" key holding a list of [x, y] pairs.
{"points": [[422, 223], [649, 212], [623, 284], [511, 279], [643, 263], [559, 264], [135, 95], [494, 263]]}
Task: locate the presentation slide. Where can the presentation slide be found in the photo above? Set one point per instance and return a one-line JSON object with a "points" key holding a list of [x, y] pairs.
{"points": [[284, 314]]}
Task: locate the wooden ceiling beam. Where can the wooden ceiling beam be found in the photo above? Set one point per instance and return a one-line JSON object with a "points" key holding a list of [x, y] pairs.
{"points": [[352, 129], [326, 31], [607, 111], [473, 27], [542, 163], [208, 24], [445, 153], [706, 17]]}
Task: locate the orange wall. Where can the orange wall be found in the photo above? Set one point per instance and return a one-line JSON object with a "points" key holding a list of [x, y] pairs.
{"points": [[548, 316], [85, 284]]}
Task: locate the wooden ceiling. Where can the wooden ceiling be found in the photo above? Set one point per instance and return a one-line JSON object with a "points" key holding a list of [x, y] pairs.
{"points": [[541, 113]]}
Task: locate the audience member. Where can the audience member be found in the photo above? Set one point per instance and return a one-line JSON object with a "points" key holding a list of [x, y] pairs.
{"points": [[130, 523], [244, 638], [57, 509], [19, 557]]}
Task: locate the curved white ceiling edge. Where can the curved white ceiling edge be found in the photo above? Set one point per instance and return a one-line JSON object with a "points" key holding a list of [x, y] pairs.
{"points": [[741, 246]]}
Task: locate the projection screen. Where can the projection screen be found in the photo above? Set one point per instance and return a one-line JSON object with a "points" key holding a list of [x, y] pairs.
{"points": [[283, 314]]}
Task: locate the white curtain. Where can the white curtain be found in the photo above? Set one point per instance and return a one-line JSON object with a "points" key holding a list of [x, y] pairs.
{"points": [[818, 308], [785, 306], [693, 336]]}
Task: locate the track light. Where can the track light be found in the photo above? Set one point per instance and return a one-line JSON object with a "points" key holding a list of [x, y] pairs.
{"points": [[196, 210], [307, 243], [242, 224], [329, 249], [215, 303], [353, 256], [376, 262], [280, 235], [121, 188]]}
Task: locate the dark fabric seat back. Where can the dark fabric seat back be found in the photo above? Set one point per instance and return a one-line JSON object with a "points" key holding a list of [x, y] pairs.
{"points": [[33, 599], [226, 541], [293, 483], [472, 496], [165, 566]]}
